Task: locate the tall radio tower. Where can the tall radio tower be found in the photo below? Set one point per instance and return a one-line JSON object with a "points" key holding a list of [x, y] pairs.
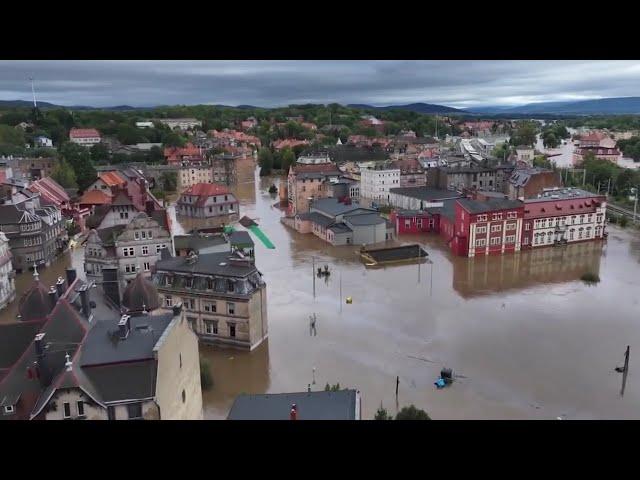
{"points": [[33, 91]]}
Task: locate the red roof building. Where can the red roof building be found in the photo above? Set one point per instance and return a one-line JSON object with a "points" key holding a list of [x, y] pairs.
{"points": [[206, 200], [288, 142], [85, 136], [176, 155]]}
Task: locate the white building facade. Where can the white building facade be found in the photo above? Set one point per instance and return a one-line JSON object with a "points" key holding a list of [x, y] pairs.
{"points": [[7, 285], [375, 183]]}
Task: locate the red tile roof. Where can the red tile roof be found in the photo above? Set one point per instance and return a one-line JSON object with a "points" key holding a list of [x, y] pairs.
{"points": [[206, 190], [112, 179], [83, 133], [549, 207], [95, 197], [51, 191], [189, 149]]}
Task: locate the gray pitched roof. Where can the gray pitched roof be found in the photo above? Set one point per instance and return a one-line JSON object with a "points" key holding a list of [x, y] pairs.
{"points": [[424, 193], [14, 339], [340, 228], [103, 345], [331, 206], [340, 405], [317, 218], [208, 264], [364, 219], [241, 238], [130, 381], [109, 235], [197, 242]]}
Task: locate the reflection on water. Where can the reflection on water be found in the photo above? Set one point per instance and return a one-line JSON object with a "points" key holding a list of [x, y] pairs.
{"points": [[234, 372], [491, 274]]}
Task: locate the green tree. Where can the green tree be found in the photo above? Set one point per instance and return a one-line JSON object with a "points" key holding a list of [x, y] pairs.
{"points": [[169, 181], [265, 160], [156, 155], [412, 413], [64, 175], [332, 388], [80, 160], [99, 153], [128, 134], [550, 140], [288, 158], [525, 134], [381, 414], [173, 139], [11, 136]]}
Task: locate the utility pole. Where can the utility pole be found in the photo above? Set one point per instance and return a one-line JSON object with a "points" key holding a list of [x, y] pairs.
{"points": [[314, 276], [397, 384], [625, 371], [635, 203], [584, 177], [340, 291]]}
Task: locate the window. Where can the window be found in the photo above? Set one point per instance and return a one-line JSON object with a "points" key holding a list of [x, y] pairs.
{"points": [[184, 396], [496, 241], [124, 215], [67, 410], [231, 308], [510, 226], [231, 286], [481, 242], [512, 214], [526, 240], [496, 228], [580, 232], [188, 282], [135, 411], [9, 409], [232, 329], [571, 232], [131, 268], [145, 250], [80, 408], [497, 216], [407, 223], [211, 328], [111, 413], [510, 239], [128, 251], [150, 235], [221, 207], [481, 229], [210, 307], [136, 235], [168, 300], [209, 284], [147, 266], [482, 218], [180, 360]]}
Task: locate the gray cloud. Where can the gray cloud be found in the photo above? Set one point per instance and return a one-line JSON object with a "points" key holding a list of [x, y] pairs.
{"points": [[276, 83]]}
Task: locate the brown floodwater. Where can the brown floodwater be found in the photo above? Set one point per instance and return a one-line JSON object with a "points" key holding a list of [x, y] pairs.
{"points": [[524, 335]]}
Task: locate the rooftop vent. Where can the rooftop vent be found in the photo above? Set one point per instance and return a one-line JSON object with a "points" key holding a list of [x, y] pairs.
{"points": [[124, 325]]}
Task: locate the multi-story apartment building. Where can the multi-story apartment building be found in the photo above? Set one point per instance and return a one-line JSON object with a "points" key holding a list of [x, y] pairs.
{"points": [[375, 182], [562, 216], [308, 182], [87, 137], [180, 123], [223, 295], [190, 175], [206, 200], [132, 245], [7, 285], [36, 233]]}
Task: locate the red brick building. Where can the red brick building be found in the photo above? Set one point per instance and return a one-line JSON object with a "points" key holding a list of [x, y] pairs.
{"points": [[414, 221]]}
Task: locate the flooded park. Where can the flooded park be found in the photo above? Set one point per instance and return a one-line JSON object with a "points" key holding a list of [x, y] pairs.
{"points": [[524, 335]]}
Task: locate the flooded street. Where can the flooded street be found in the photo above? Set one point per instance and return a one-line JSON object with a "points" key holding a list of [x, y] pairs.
{"points": [[527, 338]]}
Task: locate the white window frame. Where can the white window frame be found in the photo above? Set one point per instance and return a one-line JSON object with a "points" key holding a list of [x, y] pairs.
{"points": [[9, 409], [496, 240], [80, 404], [64, 415], [481, 242], [496, 228], [145, 250]]}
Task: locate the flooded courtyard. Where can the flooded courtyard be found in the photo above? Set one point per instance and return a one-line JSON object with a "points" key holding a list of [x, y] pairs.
{"points": [[525, 336]]}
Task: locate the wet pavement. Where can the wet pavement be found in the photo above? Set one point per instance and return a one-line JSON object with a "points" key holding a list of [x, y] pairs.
{"points": [[524, 335]]}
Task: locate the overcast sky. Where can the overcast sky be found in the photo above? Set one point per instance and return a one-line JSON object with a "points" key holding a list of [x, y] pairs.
{"points": [[277, 83]]}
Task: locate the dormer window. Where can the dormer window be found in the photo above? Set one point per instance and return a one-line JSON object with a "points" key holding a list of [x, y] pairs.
{"points": [[9, 409]]}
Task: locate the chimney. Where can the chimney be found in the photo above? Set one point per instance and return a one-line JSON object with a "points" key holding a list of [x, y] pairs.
{"points": [[71, 275], [177, 309], [124, 326], [61, 286], [84, 300], [53, 296], [39, 345], [293, 415]]}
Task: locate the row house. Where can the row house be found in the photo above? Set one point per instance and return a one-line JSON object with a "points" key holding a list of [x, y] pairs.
{"points": [[412, 173], [207, 200], [51, 193], [223, 294], [563, 216], [610, 154], [462, 178], [180, 123], [177, 155]]}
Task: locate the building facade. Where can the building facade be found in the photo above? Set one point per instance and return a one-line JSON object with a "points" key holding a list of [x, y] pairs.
{"points": [[36, 233], [376, 182], [207, 200], [563, 216], [7, 275], [180, 123], [223, 295], [306, 183], [87, 137], [132, 245]]}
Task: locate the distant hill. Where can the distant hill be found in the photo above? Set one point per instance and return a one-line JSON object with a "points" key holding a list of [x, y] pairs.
{"points": [[427, 108], [24, 104], [602, 106]]}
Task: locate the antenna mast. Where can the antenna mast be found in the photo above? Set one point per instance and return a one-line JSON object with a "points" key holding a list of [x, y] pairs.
{"points": [[33, 91]]}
